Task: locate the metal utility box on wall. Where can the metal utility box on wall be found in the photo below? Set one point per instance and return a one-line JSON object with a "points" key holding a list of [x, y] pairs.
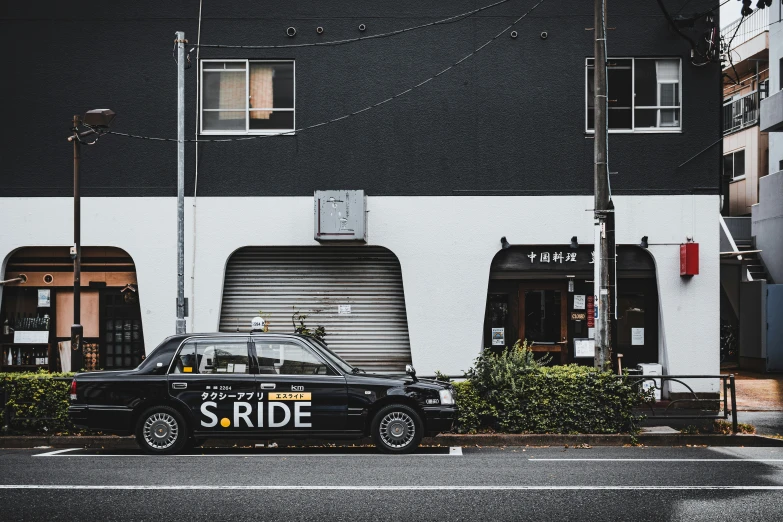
{"points": [[340, 215], [689, 259]]}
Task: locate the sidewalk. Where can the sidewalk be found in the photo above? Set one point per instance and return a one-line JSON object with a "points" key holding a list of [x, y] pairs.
{"points": [[758, 391], [759, 400]]}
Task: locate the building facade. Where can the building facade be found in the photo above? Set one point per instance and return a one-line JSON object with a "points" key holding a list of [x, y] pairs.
{"points": [[745, 84], [497, 146]]}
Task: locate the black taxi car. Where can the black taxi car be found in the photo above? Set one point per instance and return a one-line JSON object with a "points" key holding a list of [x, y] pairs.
{"points": [[267, 386]]}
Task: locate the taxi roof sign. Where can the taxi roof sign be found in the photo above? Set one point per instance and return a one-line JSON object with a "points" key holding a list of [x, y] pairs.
{"points": [[258, 324]]}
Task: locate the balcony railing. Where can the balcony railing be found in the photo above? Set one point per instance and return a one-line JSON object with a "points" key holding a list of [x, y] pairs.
{"points": [[752, 25], [741, 113]]}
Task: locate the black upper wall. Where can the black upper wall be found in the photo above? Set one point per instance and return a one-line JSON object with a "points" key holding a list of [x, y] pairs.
{"points": [[508, 121]]}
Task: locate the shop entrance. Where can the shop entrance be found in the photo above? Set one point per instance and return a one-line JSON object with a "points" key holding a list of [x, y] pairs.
{"points": [[544, 294], [543, 321], [36, 311]]}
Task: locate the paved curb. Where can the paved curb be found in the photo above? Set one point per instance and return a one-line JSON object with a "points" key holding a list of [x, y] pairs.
{"points": [[480, 440], [674, 439]]}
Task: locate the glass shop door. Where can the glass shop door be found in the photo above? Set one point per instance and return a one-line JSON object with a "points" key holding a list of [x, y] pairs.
{"points": [[543, 317]]}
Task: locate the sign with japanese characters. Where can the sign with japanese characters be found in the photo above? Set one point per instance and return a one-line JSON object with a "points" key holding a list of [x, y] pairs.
{"points": [[584, 348], [44, 298], [552, 257], [498, 337], [579, 302], [637, 336], [563, 258], [590, 311], [276, 412]]}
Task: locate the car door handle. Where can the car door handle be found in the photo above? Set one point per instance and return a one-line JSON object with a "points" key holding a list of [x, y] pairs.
{"points": [[179, 385], [267, 386]]}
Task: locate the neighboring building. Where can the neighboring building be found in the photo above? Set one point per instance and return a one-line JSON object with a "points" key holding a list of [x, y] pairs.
{"points": [[767, 215], [745, 162], [498, 146], [745, 82]]}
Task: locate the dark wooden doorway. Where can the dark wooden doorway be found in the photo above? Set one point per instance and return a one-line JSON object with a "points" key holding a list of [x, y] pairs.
{"points": [[543, 321]]}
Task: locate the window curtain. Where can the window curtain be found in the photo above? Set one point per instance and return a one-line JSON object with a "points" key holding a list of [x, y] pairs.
{"points": [[232, 95], [261, 90], [668, 72]]}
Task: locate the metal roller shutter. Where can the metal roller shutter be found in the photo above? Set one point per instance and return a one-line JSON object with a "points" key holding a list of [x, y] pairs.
{"points": [[315, 280]]}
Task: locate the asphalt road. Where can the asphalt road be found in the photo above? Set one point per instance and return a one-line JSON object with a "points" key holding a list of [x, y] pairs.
{"points": [[495, 484]]}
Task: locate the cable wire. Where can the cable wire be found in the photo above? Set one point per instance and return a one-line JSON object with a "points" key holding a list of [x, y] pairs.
{"points": [[195, 185], [728, 49], [345, 116], [450, 19]]}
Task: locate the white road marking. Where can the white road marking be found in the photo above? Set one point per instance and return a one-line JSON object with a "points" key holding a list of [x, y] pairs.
{"points": [[60, 453], [57, 452], [656, 460], [382, 488]]}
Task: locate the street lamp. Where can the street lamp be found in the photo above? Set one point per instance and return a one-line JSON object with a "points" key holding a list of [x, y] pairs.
{"points": [[96, 122]]}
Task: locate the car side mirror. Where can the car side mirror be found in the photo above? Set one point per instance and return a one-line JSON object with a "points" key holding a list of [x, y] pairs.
{"points": [[410, 370]]}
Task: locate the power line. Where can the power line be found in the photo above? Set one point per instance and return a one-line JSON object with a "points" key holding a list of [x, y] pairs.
{"points": [[345, 116], [728, 48], [450, 19]]}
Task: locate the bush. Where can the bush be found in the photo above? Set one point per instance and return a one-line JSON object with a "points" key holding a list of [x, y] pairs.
{"points": [[513, 393], [36, 403], [724, 427]]}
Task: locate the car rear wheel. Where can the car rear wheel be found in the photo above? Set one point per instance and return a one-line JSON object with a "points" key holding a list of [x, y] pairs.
{"points": [[397, 429], [161, 430]]}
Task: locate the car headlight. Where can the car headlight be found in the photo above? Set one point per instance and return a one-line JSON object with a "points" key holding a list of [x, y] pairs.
{"points": [[446, 397]]}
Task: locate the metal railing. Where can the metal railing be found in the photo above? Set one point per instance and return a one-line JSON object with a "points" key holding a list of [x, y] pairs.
{"points": [[752, 25], [729, 391], [741, 113]]}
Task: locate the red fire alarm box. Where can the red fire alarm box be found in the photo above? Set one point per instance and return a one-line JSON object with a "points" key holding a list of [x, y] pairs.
{"points": [[689, 259]]}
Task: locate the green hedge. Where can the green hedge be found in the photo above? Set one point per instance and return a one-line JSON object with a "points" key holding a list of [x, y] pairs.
{"points": [[512, 393], [35, 403]]}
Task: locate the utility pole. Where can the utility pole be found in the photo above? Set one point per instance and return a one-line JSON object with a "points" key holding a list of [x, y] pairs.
{"points": [[97, 122], [180, 40], [76, 254], [601, 282]]}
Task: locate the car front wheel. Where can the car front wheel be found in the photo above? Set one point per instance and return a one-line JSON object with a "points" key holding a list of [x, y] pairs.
{"points": [[397, 429], [161, 430]]}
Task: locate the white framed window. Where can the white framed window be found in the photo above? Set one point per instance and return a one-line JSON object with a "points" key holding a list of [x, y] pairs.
{"points": [[734, 165], [644, 94], [247, 96]]}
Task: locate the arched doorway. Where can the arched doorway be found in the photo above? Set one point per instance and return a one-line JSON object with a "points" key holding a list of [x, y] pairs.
{"points": [[544, 293], [37, 313], [354, 292]]}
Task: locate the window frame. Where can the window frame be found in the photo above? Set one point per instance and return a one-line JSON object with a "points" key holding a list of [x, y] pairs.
{"points": [[734, 163], [633, 129], [297, 342], [234, 339], [248, 130]]}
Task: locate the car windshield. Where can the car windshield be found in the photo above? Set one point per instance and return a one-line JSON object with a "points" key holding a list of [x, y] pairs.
{"points": [[333, 357]]}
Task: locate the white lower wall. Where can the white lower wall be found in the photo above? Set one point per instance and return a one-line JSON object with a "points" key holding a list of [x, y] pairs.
{"points": [[445, 246]]}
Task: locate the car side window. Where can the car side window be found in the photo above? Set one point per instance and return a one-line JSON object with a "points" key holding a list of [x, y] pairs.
{"points": [[185, 360], [289, 359], [213, 356]]}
